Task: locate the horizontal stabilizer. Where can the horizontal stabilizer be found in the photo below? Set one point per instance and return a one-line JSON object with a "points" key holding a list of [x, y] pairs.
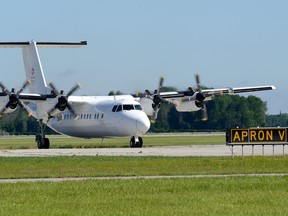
{"points": [[43, 44]]}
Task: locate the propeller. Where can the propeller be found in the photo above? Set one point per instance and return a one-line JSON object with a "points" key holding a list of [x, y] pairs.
{"points": [[62, 103], [13, 97], [156, 98], [200, 97]]}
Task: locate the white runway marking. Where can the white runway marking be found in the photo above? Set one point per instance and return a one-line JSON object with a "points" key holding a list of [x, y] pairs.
{"points": [[137, 177]]}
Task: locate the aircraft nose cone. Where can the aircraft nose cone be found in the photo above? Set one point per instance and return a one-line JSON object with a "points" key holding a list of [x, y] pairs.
{"points": [[143, 125]]}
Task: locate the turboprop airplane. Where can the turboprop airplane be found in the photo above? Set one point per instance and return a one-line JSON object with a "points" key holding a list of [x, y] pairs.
{"points": [[95, 116]]}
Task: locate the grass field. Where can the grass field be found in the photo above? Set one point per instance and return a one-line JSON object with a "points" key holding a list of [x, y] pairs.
{"points": [[201, 196], [206, 196], [246, 195], [79, 166]]}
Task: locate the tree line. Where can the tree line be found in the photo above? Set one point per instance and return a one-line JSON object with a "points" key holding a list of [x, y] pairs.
{"points": [[224, 112]]}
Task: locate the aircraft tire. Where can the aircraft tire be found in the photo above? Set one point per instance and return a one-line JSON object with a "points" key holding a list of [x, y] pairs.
{"points": [[39, 142], [42, 143], [140, 143], [46, 143], [134, 144]]}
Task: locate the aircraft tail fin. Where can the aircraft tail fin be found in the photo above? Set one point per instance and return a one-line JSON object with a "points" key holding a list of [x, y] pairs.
{"points": [[32, 63]]}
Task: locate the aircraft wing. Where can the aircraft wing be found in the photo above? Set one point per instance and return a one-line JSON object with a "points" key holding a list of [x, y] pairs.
{"points": [[222, 91], [209, 94], [192, 100], [30, 97]]}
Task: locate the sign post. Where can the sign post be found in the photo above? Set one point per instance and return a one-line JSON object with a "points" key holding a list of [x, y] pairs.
{"points": [[257, 136]]}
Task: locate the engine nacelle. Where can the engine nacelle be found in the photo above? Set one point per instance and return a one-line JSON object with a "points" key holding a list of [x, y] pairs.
{"points": [[3, 102], [187, 106], [50, 106], [9, 110], [146, 104]]}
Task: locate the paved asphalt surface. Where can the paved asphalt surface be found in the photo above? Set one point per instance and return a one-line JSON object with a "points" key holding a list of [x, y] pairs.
{"points": [[176, 151]]}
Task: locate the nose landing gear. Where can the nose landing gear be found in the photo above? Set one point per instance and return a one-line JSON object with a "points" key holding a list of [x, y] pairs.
{"points": [[136, 142]]}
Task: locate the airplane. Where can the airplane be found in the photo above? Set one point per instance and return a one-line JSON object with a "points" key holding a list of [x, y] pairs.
{"points": [[96, 116]]}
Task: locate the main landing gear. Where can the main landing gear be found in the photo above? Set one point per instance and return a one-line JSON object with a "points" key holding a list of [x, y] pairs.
{"points": [[136, 142], [41, 140]]}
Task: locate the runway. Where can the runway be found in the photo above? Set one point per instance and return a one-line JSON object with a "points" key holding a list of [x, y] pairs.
{"points": [[168, 151]]}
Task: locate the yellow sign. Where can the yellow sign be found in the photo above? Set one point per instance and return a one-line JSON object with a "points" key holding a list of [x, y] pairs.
{"points": [[255, 136]]}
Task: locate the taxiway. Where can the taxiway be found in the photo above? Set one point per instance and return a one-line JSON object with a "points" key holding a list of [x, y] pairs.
{"points": [[169, 151]]}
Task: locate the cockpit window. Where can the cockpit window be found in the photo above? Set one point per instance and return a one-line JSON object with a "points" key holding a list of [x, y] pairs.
{"points": [[138, 107], [118, 108], [128, 107], [114, 108]]}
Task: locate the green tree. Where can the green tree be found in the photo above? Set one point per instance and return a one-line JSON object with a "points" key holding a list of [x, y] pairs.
{"points": [[111, 93], [280, 120]]}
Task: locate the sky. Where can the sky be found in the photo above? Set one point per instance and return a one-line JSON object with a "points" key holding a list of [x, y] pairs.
{"points": [[131, 43]]}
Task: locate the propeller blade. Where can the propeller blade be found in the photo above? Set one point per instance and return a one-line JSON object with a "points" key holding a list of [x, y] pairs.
{"points": [[53, 87], [197, 78], [4, 89], [76, 87], [5, 107], [2, 110], [51, 111], [156, 98], [201, 97], [72, 110], [160, 85], [2, 86], [62, 103], [147, 92], [154, 117], [24, 85], [29, 112], [191, 90], [137, 94], [204, 113]]}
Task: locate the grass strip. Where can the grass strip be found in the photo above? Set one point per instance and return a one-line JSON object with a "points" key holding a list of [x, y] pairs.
{"points": [[205, 196], [28, 142], [88, 166]]}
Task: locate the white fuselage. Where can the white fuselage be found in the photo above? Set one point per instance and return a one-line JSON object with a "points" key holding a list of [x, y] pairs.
{"points": [[102, 116]]}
